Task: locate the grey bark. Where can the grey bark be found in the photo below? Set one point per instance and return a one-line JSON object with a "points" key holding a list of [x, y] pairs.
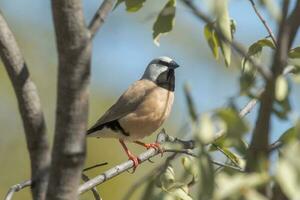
{"points": [[100, 16], [29, 107], [74, 55]]}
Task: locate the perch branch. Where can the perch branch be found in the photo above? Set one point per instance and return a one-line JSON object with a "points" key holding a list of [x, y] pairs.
{"points": [[161, 138], [94, 189]]}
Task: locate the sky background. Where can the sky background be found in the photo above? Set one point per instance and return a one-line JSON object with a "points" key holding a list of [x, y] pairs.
{"points": [[121, 51]]}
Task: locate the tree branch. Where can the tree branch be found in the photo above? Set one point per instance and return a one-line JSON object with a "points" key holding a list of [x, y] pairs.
{"points": [[29, 107], [116, 170], [264, 22], [74, 55], [16, 188], [94, 189], [100, 16], [265, 72], [259, 146]]}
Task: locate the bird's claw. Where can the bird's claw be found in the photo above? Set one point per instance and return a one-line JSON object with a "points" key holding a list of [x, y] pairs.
{"points": [[155, 146], [135, 161]]}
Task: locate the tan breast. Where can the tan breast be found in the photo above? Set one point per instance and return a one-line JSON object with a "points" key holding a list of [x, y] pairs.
{"points": [[150, 114]]}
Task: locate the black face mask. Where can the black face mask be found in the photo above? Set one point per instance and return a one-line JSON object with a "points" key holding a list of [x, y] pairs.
{"points": [[166, 80]]}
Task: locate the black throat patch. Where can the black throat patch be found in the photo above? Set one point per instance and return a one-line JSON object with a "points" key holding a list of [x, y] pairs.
{"points": [[167, 80]]}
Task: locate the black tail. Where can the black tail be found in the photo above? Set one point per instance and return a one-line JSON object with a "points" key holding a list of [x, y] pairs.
{"points": [[113, 125]]}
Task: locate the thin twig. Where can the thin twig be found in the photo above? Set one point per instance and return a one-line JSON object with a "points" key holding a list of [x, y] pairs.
{"points": [[264, 22], [94, 189], [100, 16], [265, 72], [16, 188], [227, 166], [225, 154], [188, 152], [94, 166]]}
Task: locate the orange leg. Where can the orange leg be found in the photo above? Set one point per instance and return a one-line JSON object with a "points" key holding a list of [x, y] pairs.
{"points": [[130, 155], [155, 146]]}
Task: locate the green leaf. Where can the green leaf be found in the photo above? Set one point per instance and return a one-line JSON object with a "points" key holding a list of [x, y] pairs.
{"points": [[294, 53], [235, 125], [224, 142], [291, 134], [256, 48], [180, 193], [288, 170], [282, 108], [190, 103], [212, 39], [165, 21], [167, 179], [134, 5], [233, 187], [206, 175], [223, 24], [253, 194], [234, 158], [281, 88], [205, 129], [247, 78], [189, 165]]}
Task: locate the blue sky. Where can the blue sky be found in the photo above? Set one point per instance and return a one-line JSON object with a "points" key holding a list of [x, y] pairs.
{"points": [[124, 46]]}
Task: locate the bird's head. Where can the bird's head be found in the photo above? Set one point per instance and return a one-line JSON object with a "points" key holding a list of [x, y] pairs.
{"points": [[161, 70]]}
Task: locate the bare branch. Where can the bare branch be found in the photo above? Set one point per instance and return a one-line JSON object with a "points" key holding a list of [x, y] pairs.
{"points": [[265, 72], [94, 189], [29, 107], [100, 16], [74, 55], [116, 170], [16, 188], [264, 22], [94, 166]]}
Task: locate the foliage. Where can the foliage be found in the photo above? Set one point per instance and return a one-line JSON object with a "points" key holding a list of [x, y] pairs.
{"points": [[229, 181], [222, 133]]}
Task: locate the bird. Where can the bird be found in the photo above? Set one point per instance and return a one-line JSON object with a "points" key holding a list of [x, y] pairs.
{"points": [[141, 109]]}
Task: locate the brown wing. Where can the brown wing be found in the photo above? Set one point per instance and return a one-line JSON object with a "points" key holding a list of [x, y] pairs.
{"points": [[127, 103]]}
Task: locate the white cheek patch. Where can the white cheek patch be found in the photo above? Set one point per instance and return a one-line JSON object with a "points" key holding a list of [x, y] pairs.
{"points": [[156, 70]]}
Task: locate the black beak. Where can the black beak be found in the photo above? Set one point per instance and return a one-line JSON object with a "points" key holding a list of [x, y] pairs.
{"points": [[173, 65]]}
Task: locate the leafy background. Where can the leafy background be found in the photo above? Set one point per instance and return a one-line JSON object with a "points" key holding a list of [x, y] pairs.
{"points": [[121, 51]]}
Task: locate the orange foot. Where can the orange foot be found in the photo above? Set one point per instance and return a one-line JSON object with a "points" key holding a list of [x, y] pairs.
{"points": [[132, 157], [155, 146]]}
